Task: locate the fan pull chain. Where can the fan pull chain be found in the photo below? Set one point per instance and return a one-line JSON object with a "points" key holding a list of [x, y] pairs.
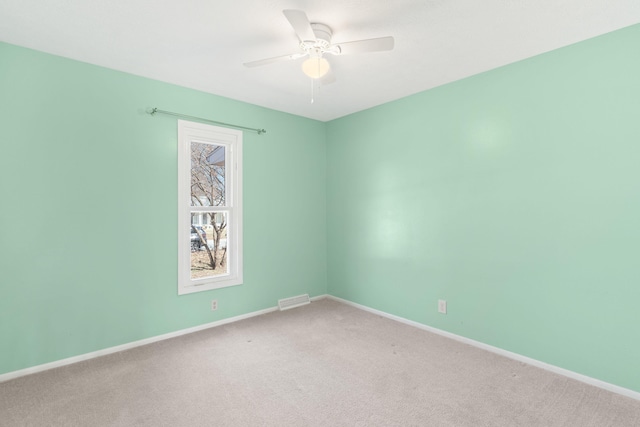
{"points": [[313, 81]]}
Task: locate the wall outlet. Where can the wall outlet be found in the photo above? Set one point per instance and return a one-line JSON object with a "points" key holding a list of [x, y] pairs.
{"points": [[442, 306], [214, 304]]}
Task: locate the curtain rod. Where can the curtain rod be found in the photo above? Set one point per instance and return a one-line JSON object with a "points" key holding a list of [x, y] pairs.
{"points": [[171, 113]]}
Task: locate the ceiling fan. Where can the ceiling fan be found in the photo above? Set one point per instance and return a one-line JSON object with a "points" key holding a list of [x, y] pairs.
{"points": [[315, 43]]}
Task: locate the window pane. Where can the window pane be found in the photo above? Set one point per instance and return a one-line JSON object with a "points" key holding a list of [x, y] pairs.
{"points": [[209, 244], [207, 174]]}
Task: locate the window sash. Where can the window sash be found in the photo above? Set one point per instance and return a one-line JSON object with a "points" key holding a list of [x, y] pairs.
{"points": [[231, 139]]}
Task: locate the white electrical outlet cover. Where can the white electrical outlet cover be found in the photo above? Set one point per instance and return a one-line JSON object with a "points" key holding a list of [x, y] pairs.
{"points": [[442, 306]]}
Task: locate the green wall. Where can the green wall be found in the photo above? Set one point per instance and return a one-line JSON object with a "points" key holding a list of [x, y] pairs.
{"points": [[88, 216], [514, 195]]}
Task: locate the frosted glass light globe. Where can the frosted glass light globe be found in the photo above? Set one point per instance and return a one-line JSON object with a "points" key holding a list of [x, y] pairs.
{"points": [[315, 67]]}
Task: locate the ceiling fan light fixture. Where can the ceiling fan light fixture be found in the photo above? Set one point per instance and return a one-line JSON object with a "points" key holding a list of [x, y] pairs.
{"points": [[315, 67]]}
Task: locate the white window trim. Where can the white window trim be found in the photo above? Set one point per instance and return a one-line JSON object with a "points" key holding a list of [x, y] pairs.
{"points": [[232, 140]]}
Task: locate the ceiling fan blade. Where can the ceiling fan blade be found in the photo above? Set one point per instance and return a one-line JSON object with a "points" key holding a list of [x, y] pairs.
{"points": [[369, 45], [300, 23], [274, 59]]}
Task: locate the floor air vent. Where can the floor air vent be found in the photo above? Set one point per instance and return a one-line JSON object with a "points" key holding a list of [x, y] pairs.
{"points": [[287, 303]]}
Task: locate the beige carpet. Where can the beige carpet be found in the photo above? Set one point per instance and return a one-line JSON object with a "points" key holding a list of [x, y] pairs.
{"points": [[325, 364]]}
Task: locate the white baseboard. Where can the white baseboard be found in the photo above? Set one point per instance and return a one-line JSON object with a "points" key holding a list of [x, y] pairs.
{"points": [[555, 369], [68, 361], [63, 362], [515, 356]]}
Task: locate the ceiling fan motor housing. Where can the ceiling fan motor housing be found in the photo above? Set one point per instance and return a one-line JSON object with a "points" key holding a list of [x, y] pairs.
{"points": [[322, 43]]}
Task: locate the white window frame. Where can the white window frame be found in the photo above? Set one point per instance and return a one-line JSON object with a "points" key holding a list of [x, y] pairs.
{"points": [[231, 139]]}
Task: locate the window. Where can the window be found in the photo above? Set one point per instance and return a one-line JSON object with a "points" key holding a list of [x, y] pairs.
{"points": [[209, 207]]}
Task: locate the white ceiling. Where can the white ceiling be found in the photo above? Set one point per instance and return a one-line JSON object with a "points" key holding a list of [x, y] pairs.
{"points": [[202, 44]]}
